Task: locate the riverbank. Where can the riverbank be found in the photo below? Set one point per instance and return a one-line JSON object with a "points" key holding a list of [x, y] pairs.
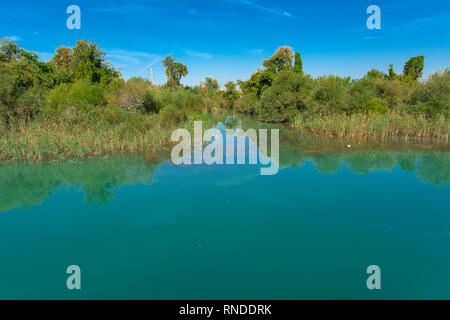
{"points": [[376, 127], [98, 132], [92, 134]]}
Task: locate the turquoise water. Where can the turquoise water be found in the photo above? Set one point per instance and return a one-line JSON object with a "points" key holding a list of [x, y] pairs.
{"points": [[141, 230]]}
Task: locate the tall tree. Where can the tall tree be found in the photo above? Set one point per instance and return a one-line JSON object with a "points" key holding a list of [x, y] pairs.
{"points": [[298, 65], [89, 62], [281, 60], [391, 73], [210, 84], [63, 57], [413, 69], [174, 72]]}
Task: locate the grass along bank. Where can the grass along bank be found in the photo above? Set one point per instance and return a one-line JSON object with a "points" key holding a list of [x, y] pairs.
{"points": [[374, 126], [90, 134], [56, 139], [78, 105]]}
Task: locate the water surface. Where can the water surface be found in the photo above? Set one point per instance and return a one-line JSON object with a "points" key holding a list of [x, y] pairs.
{"points": [[153, 230]]}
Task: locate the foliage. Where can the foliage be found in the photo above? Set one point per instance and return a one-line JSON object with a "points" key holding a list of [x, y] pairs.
{"points": [[298, 65], [78, 105], [433, 97], [377, 105], [284, 98], [23, 79], [174, 72], [375, 126], [258, 82], [210, 84], [249, 103], [281, 60], [72, 97], [135, 95], [172, 115], [230, 94], [413, 69]]}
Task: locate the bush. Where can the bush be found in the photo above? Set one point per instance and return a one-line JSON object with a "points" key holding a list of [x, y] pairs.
{"points": [[135, 95], [377, 105], [172, 115], [330, 94], [361, 92], [248, 103], [23, 80], [81, 95], [284, 98], [433, 96]]}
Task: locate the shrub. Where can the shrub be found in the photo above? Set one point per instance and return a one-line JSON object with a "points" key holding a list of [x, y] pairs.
{"points": [[377, 105], [248, 103], [433, 96], [135, 95], [81, 95], [23, 80], [331, 94], [361, 92], [172, 115], [284, 98]]}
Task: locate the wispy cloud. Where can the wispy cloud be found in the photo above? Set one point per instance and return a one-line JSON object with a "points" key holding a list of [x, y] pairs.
{"points": [[441, 19], [196, 54], [255, 52], [126, 7], [255, 5], [133, 63], [14, 38]]}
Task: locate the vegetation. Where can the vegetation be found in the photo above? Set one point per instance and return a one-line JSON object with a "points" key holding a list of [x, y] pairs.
{"points": [[78, 105], [377, 105]]}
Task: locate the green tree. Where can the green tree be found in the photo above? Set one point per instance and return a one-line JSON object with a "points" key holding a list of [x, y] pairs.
{"points": [[230, 94], [210, 84], [88, 62], [433, 96], [174, 72], [258, 82], [63, 57], [298, 65], [413, 68], [281, 60], [391, 73], [377, 105], [284, 98], [23, 81]]}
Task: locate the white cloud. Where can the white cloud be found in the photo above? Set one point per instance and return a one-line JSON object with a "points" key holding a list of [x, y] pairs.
{"points": [[441, 19], [255, 5], [133, 63], [14, 38], [255, 52], [195, 54]]}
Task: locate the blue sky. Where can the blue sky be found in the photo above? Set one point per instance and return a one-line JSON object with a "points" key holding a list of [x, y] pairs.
{"points": [[228, 39]]}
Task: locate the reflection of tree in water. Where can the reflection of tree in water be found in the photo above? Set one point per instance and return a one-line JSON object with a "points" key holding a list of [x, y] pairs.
{"points": [[429, 166], [329, 155], [434, 167], [25, 184]]}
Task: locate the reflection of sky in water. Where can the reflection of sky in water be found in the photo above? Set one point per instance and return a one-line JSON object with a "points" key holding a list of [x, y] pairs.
{"points": [[235, 145], [163, 231]]}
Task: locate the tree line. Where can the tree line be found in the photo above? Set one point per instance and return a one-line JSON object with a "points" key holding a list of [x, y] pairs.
{"points": [[78, 78]]}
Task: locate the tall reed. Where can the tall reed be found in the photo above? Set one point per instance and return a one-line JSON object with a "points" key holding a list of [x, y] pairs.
{"points": [[375, 126]]}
